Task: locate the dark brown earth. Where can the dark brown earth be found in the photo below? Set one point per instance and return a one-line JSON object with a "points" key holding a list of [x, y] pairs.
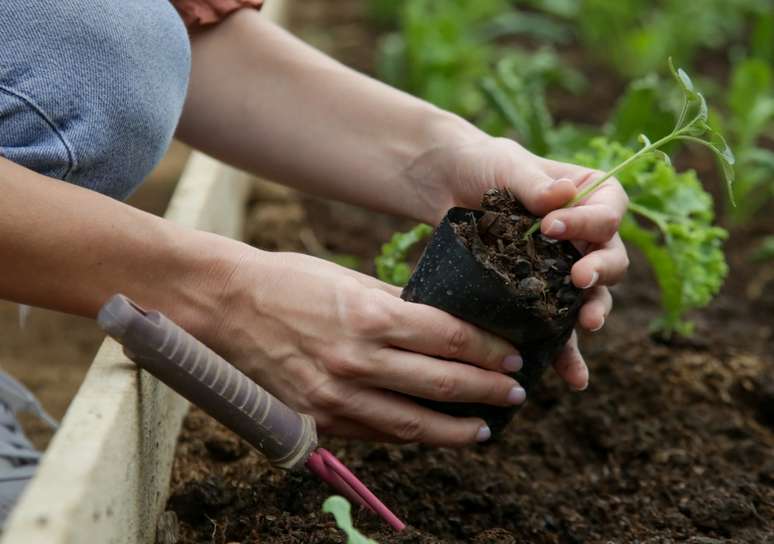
{"points": [[670, 443], [535, 268]]}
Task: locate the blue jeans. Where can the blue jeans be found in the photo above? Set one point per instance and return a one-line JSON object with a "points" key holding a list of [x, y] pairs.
{"points": [[91, 90]]}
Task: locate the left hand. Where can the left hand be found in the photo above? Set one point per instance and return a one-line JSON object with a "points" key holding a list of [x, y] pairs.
{"points": [[459, 175]]}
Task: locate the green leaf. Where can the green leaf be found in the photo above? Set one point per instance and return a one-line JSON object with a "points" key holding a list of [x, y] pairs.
{"points": [[682, 78], [516, 22], [340, 508], [662, 157], [765, 251], [390, 265], [640, 109], [750, 100]]}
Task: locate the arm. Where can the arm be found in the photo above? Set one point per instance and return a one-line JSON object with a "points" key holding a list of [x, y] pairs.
{"points": [[263, 100], [328, 341], [69, 249]]}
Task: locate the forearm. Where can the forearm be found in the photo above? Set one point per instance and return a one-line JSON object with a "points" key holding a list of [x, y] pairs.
{"points": [[69, 249], [265, 101]]}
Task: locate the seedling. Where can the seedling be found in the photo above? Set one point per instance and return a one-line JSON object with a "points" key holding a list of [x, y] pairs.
{"points": [[691, 126], [391, 265], [341, 510]]}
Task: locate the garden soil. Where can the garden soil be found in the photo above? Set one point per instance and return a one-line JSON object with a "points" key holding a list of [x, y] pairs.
{"points": [[670, 442]]}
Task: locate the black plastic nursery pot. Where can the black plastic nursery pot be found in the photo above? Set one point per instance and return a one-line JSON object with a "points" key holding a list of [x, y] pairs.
{"points": [[536, 313]]}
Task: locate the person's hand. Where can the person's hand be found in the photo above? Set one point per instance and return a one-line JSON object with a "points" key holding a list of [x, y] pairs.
{"points": [[346, 349], [459, 175]]}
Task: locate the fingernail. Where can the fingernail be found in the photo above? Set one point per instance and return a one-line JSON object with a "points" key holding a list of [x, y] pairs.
{"points": [[556, 228], [583, 387], [601, 324], [594, 278], [517, 395], [558, 181], [513, 363], [585, 382], [483, 434]]}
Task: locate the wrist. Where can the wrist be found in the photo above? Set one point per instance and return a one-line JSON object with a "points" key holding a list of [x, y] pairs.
{"points": [[197, 270], [427, 173]]}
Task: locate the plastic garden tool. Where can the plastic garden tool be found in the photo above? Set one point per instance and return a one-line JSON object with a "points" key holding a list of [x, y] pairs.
{"points": [[288, 439]]}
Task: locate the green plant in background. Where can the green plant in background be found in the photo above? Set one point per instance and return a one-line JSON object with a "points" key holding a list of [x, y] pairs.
{"points": [[634, 36], [340, 508], [765, 251], [692, 125], [443, 48], [645, 107], [391, 265], [515, 93], [437, 54], [750, 116]]}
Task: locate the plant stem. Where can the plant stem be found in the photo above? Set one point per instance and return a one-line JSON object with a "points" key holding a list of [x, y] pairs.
{"points": [[609, 174], [594, 186]]}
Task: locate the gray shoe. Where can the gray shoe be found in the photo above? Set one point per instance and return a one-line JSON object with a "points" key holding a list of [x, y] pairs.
{"points": [[18, 457]]}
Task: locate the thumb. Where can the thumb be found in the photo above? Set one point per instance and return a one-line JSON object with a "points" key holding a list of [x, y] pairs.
{"points": [[542, 194]]}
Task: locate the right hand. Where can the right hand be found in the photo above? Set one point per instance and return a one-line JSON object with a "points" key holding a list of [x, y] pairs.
{"points": [[344, 348]]}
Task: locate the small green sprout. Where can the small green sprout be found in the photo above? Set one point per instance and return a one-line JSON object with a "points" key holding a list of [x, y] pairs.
{"points": [[391, 265], [692, 125], [340, 508]]}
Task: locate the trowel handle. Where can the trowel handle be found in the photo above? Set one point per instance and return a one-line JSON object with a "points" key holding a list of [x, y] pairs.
{"points": [[159, 346]]}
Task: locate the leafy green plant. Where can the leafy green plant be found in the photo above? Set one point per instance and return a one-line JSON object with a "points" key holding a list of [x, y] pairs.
{"points": [[750, 115], [670, 220], [341, 510], [692, 125], [765, 251], [515, 91], [685, 250], [437, 53], [391, 265], [444, 48], [635, 35]]}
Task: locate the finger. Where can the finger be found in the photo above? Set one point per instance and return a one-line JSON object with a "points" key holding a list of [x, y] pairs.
{"points": [[571, 367], [430, 331], [544, 193], [610, 192], [348, 428], [403, 420], [604, 266], [370, 281], [596, 309], [596, 223], [447, 381]]}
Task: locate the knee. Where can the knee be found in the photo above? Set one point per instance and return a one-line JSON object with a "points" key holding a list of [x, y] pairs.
{"points": [[117, 141], [99, 108], [129, 115]]}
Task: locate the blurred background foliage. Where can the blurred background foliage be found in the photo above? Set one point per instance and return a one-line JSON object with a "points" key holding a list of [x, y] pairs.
{"points": [[517, 67]]}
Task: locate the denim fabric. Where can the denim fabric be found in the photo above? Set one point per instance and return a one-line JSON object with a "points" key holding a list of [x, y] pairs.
{"points": [[91, 90]]}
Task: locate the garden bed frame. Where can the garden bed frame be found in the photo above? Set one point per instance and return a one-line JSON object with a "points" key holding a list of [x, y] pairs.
{"points": [[105, 476]]}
